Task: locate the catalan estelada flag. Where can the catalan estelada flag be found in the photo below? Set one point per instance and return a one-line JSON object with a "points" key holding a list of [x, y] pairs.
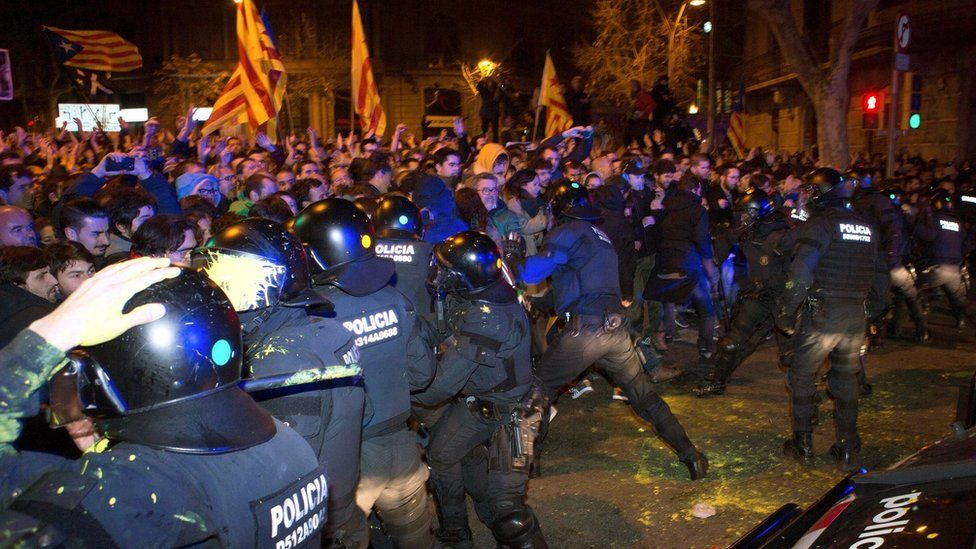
{"points": [[365, 96], [551, 97], [737, 126], [256, 90], [93, 50]]}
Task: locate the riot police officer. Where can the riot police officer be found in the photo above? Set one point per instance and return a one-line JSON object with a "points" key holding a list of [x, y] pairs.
{"points": [[837, 273], [766, 240], [399, 236], [179, 436], [583, 267], [904, 277], [880, 210], [947, 244], [486, 375], [264, 271], [395, 359]]}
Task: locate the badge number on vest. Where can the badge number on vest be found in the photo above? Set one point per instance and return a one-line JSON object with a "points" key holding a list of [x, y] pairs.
{"points": [[294, 516], [374, 327], [855, 232], [602, 236], [400, 253]]}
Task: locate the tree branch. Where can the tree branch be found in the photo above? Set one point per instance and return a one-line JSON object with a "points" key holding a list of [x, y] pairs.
{"points": [[840, 55], [779, 16]]}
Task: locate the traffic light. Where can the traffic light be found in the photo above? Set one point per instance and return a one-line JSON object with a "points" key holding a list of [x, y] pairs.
{"points": [[871, 110], [915, 118]]}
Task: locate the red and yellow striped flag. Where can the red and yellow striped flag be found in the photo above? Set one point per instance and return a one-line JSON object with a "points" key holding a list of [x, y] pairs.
{"points": [[558, 118], [94, 50], [365, 96], [737, 126], [256, 90]]}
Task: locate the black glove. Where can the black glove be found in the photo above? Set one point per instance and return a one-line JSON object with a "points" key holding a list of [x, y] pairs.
{"points": [[513, 248]]}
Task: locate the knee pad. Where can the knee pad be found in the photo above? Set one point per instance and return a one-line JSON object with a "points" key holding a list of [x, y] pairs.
{"points": [[409, 522], [518, 529]]}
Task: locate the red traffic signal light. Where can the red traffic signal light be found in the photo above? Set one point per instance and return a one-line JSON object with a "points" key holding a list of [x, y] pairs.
{"points": [[872, 102]]}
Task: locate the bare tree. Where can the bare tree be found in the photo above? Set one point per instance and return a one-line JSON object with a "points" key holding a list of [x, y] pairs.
{"points": [[327, 56], [185, 81], [632, 43], [826, 86]]}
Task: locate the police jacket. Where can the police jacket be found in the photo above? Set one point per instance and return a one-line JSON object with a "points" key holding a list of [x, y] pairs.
{"points": [[836, 256], [268, 495], [412, 258], [943, 236], [877, 208], [768, 247], [392, 353], [488, 355], [289, 341], [585, 275], [682, 229]]}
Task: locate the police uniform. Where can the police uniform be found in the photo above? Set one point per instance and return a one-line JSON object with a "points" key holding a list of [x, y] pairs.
{"points": [[412, 258], [485, 375], [947, 244], [395, 359], [587, 292], [328, 413], [767, 246], [836, 265]]}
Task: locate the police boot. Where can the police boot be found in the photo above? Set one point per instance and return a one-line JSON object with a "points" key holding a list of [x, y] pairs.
{"points": [[846, 452], [800, 447], [713, 387], [697, 466], [518, 529], [716, 379], [454, 536]]}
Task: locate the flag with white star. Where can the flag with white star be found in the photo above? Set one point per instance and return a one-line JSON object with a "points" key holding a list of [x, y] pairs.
{"points": [[93, 50]]}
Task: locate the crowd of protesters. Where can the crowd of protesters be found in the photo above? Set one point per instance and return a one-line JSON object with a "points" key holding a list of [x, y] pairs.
{"points": [[75, 202]]}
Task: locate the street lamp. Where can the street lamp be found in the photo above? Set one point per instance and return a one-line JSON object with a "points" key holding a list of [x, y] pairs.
{"points": [[674, 29]]}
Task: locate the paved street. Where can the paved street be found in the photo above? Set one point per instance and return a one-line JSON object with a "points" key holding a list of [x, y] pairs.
{"points": [[609, 482]]}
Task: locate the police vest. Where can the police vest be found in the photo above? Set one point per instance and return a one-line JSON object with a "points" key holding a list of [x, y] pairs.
{"points": [[380, 323], [589, 282], [498, 335], [767, 251], [846, 266], [412, 258], [948, 243], [270, 495]]}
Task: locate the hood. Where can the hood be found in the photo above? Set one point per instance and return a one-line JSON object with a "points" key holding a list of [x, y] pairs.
{"points": [[433, 195], [487, 157]]}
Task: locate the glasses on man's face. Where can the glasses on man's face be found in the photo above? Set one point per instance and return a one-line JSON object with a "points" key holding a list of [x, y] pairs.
{"points": [[209, 192], [488, 190]]}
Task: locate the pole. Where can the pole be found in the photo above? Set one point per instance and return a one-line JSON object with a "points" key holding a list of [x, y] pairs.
{"points": [[710, 127], [535, 125], [892, 114]]}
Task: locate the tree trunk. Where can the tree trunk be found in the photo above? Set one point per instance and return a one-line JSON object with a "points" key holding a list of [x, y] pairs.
{"points": [[830, 106]]}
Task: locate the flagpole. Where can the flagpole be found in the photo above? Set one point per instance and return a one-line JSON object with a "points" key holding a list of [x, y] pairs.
{"points": [[538, 103]]}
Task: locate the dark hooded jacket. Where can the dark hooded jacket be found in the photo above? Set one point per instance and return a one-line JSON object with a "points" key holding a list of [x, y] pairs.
{"points": [[610, 199], [441, 219], [682, 229], [18, 309]]}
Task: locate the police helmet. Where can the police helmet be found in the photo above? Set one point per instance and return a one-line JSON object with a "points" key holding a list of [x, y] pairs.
{"points": [[258, 264], [829, 183], [466, 262], [570, 199], [334, 231], [397, 217], [172, 383], [941, 199], [633, 166], [753, 205], [859, 177]]}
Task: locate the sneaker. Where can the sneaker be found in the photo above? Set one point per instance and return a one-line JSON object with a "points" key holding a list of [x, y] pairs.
{"points": [[581, 389], [618, 394]]}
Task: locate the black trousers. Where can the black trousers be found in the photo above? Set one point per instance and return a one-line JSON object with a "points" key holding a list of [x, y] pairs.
{"points": [[578, 346], [340, 449], [751, 321], [834, 329], [949, 279], [465, 435], [906, 298]]}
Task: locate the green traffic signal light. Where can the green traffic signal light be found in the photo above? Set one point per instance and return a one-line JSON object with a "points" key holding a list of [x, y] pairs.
{"points": [[915, 120]]}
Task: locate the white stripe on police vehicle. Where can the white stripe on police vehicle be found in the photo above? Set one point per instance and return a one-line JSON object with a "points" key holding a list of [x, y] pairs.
{"points": [[374, 327], [855, 231]]}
